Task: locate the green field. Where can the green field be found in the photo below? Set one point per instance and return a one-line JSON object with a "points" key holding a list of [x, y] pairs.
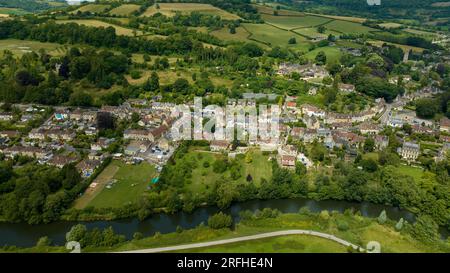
{"points": [[124, 10], [92, 8], [12, 11], [96, 23], [203, 179], [273, 36], [20, 47], [224, 34], [132, 181], [291, 22], [333, 53], [283, 244], [170, 9], [348, 27]]}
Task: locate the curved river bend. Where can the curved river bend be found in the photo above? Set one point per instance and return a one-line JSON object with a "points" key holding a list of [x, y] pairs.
{"points": [[25, 235]]}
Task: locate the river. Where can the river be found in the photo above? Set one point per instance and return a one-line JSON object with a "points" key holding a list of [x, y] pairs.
{"points": [[25, 235]]}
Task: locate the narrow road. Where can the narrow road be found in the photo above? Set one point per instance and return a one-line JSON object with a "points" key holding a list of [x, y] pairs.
{"points": [[247, 238]]}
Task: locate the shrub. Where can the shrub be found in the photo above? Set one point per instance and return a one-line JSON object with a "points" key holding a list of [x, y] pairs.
{"points": [[220, 220], [342, 225]]}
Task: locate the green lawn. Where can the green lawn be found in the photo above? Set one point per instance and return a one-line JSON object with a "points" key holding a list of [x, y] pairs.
{"points": [[348, 27], [124, 10], [333, 53], [203, 179], [273, 36], [291, 22], [20, 47], [283, 244], [132, 181]]}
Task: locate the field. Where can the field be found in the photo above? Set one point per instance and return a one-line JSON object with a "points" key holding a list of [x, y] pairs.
{"points": [[224, 34], [333, 53], [390, 25], [360, 231], [273, 36], [281, 12], [12, 11], [96, 23], [348, 27], [124, 10], [169, 9], [204, 178], [20, 47], [312, 32], [290, 22], [441, 4], [404, 47], [102, 179], [283, 244], [343, 18], [132, 181], [92, 8]]}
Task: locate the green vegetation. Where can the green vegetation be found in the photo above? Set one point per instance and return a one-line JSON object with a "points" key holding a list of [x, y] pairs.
{"points": [[170, 9], [131, 183], [124, 10]]}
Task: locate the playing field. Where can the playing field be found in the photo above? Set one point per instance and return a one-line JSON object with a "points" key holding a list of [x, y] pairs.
{"points": [[96, 23], [93, 8], [291, 22], [170, 9], [132, 181], [273, 36], [20, 47], [124, 10]]}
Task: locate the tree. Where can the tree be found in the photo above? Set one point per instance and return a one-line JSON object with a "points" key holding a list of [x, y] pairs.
{"points": [[292, 41], [152, 84], [426, 108], [300, 169], [369, 145], [321, 58], [81, 99], [321, 29], [382, 218], [77, 233], [219, 221]]}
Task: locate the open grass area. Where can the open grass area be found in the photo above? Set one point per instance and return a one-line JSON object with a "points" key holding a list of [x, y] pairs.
{"points": [[170, 9], [360, 231], [224, 34], [282, 12], [390, 25], [132, 181], [20, 47], [124, 10], [92, 8], [204, 178], [12, 11], [273, 36], [342, 18], [405, 48], [333, 53], [282, 244], [97, 23], [101, 180], [348, 27], [291, 22]]}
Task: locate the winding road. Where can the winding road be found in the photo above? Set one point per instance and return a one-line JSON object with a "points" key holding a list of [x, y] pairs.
{"points": [[247, 238]]}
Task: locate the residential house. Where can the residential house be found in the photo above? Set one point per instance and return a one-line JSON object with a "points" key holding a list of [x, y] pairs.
{"points": [[444, 125], [410, 151], [346, 88], [288, 161], [219, 145], [61, 160], [87, 167]]}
